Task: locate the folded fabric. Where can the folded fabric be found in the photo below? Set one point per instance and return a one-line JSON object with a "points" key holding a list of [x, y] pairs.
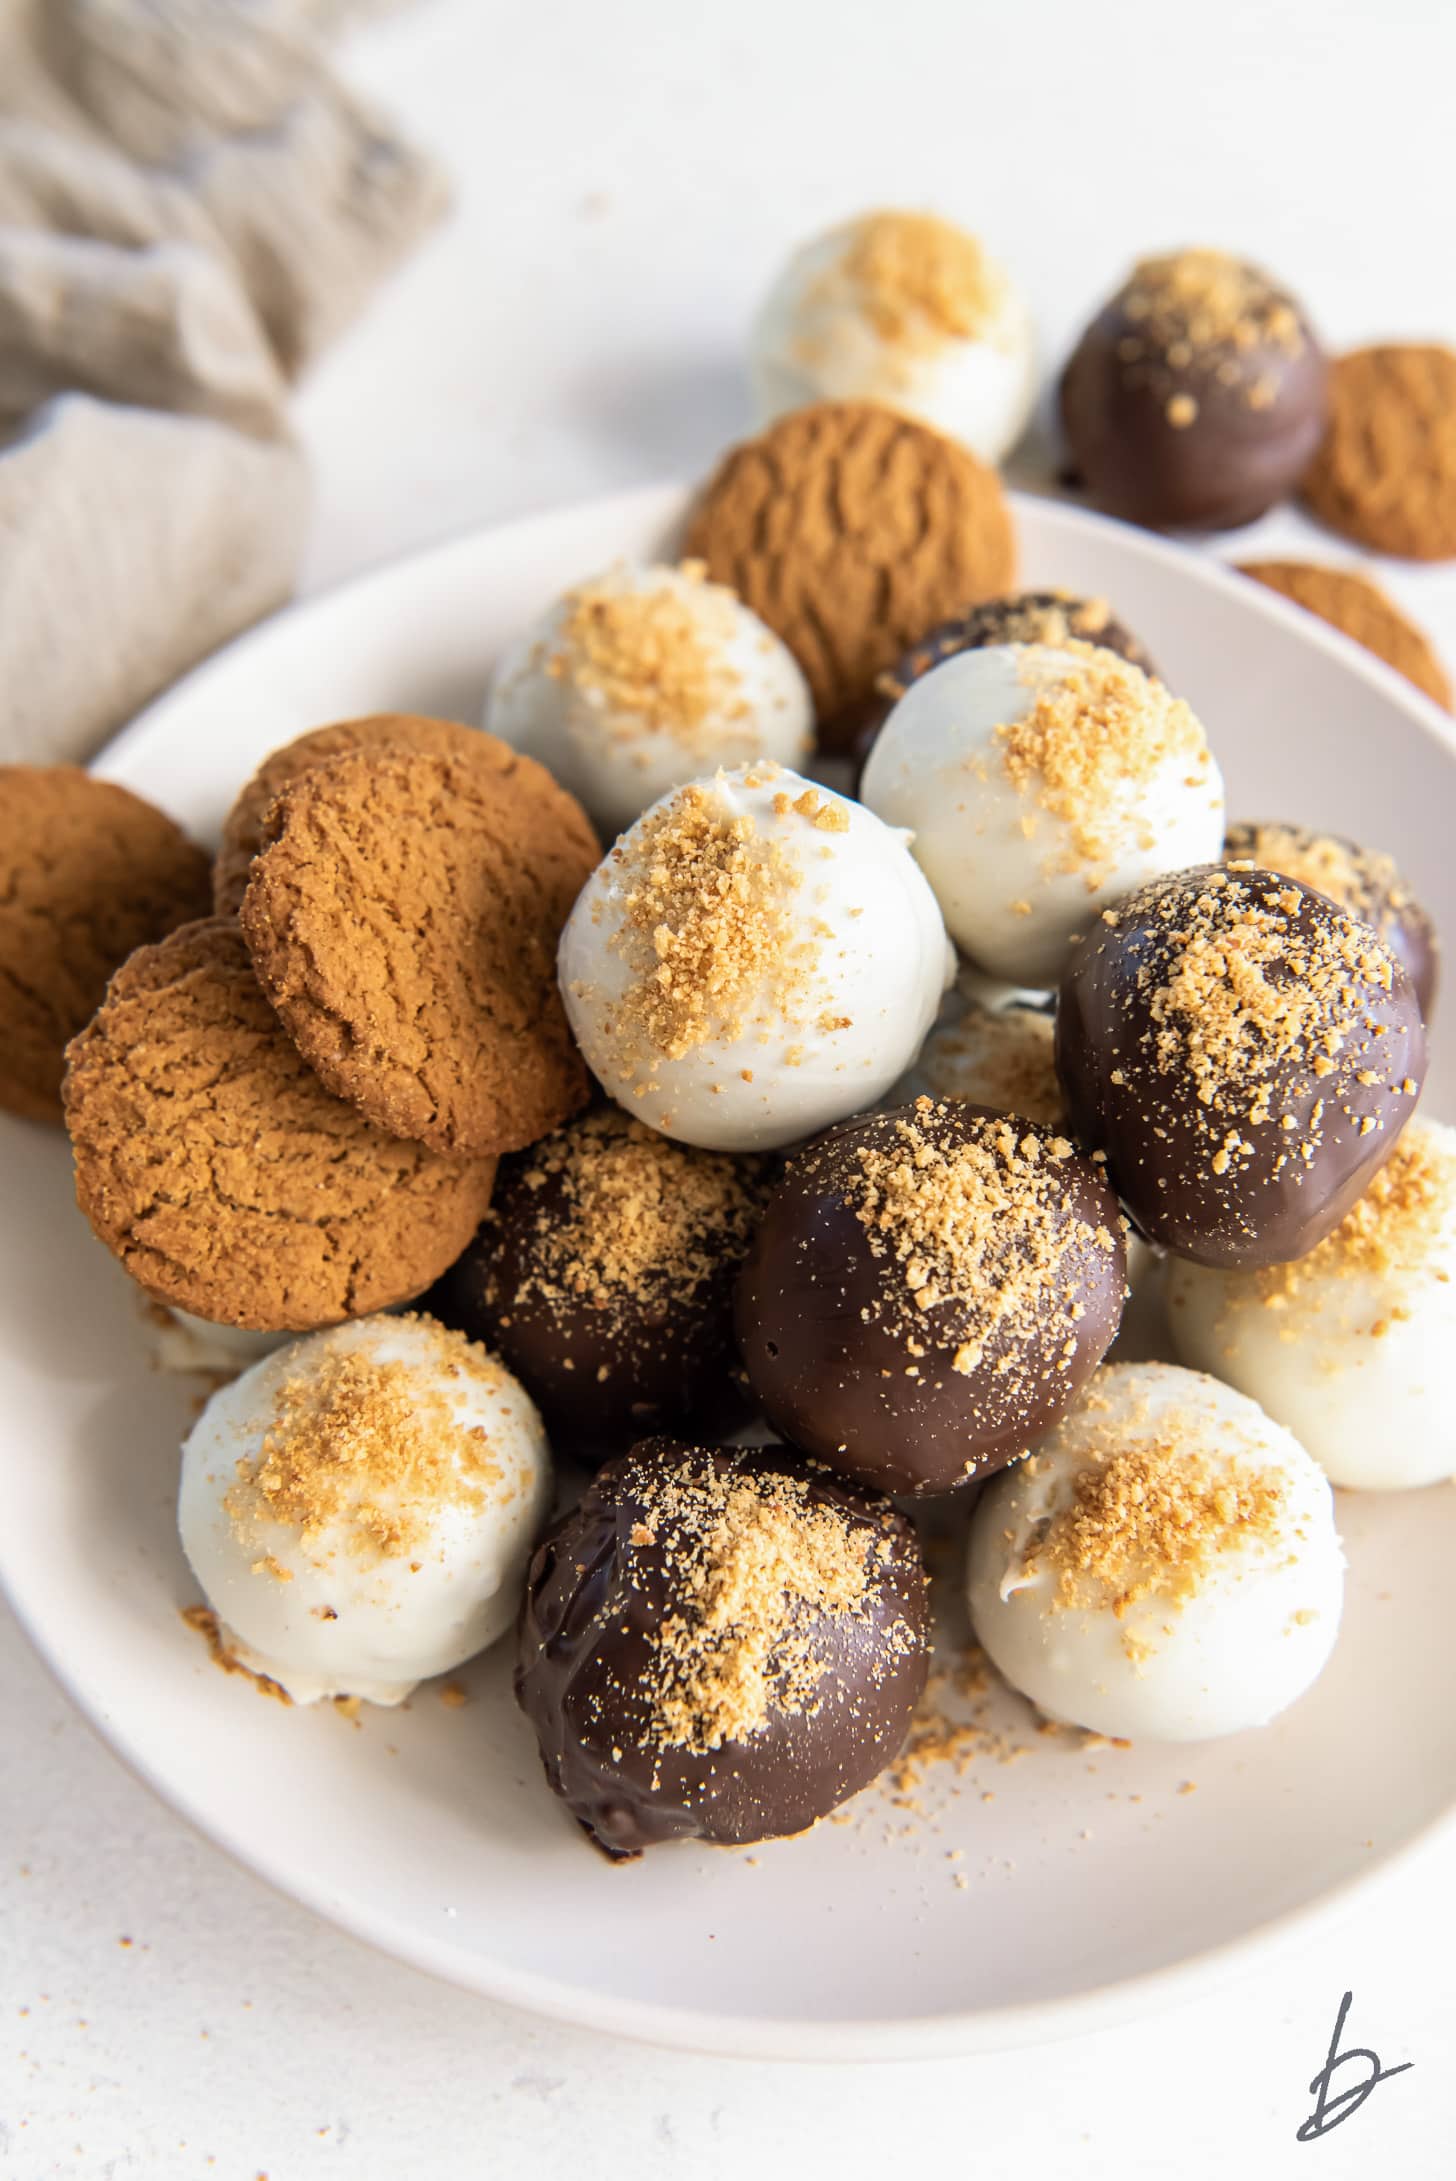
{"points": [[131, 544], [191, 205]]}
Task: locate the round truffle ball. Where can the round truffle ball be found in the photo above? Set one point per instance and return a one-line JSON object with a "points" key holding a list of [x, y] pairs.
{"points": [[1196, 397], [1165, 1566], [1353, 1347], [644, 678], [720, 1643], [756, 958], [903, 309], [1041, 784], [1022, 617], [1361, 880], [603, 1275], [929, 1289], [360, 1506], [1245, 1053]]}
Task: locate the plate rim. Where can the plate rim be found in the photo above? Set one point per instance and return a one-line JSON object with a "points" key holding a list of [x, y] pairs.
{"points": [[937, 2035]]}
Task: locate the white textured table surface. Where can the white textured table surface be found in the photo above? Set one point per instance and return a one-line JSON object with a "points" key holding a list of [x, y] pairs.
{"points": [[628, 179]]}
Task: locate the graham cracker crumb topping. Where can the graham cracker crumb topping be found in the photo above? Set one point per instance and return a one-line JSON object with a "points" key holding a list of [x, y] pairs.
{"points": [[920, 280], [1256, 991], [709, 925], [761, 1569], [1390, 1232], [1363, 881], [1152, 1518], [654, 659], [1240, 1001], [634, 1215], [1095, 738], [983, 1226], [368, 1446], [1197, 306]]}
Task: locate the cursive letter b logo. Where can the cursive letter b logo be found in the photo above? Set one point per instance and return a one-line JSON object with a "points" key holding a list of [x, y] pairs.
{"points": [[1330, 2111]]}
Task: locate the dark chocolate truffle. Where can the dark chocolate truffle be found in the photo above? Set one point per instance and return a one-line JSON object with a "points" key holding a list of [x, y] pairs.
{"points": [[929, 1290], [720, 1643], [1246, 1053], [1359, 879], [603, 1275], [1196, 397], [1023, 617]]}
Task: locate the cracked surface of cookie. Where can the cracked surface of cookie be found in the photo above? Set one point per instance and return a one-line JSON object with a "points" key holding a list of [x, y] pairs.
{"points": [[851, 531], [88, 871], [242, 829], [214, 1164], [403, 916]]}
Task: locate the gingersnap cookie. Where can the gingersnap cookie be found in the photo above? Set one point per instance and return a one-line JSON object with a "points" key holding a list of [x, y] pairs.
{"points": [[214, 1164], [403, 915], [88, 871], [242, 829], [1385, 473], [852, 530], [1358, 607]]}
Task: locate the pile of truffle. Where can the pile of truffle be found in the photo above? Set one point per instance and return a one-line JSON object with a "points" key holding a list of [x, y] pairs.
{"points": [[785, 1167]]}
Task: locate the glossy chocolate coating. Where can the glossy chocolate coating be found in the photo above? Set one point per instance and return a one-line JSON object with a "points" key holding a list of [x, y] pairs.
{"points": [[1368, 885], [1302, 1151], [609, 1358], [852, 1375], [599, 1590], [1024, 617], [1176, 433]]}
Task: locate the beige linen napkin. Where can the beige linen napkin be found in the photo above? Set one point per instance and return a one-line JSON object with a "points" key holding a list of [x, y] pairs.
{"points": [[192, 204]]}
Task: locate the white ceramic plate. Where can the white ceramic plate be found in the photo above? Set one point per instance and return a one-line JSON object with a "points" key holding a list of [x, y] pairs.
{"points": [[1025, 1899]]}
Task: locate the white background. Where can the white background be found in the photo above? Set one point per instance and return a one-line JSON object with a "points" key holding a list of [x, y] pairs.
{"points": [[629, 175]]}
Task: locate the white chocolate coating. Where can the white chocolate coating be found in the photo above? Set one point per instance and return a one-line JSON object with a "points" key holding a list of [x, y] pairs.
{"points": [[1016, 881], [316, 1613], [1258, 1627], [616, 757], [814, 339], [1354, 1347], [872, 961]]}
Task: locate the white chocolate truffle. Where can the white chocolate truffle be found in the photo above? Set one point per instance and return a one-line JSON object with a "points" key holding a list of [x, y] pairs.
{"points": [[906, 310], [359, 1507], [1041, 784], [643, 679], [755, 959], [1354, 1346], [1163, 1566]]}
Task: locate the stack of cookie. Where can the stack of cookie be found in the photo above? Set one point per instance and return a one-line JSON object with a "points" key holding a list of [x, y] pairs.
{"points": [[288, 1112]]}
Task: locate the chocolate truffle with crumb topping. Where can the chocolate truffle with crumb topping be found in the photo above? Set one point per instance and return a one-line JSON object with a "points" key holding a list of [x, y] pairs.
{"points": [[720, 1643], [1246, 1053], [1196, 397], [603, 1275], [1022, 617], [930, 1288], [1359, 879]]}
